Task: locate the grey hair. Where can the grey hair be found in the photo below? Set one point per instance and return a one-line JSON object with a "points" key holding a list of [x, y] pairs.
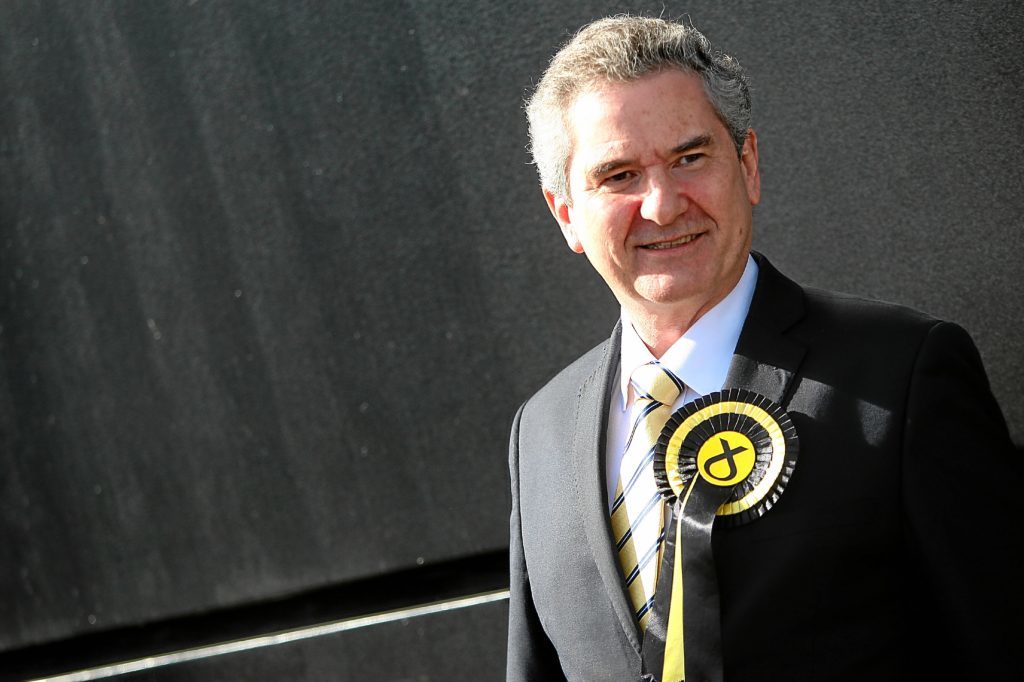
{"points": [[622, 49]]}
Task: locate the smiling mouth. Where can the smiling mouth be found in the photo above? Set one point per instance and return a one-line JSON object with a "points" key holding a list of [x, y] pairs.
{"points": [[672, 244]]}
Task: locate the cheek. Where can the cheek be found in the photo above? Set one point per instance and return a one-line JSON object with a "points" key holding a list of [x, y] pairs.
{"points": [[610, 218], [730, 209]]}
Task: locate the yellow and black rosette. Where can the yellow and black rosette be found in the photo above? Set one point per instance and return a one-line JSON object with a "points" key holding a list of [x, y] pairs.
{"points": [[724, 458], [734, 439]]}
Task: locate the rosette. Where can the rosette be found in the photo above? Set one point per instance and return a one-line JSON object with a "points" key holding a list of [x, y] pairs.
{"points": [[723, 458]]}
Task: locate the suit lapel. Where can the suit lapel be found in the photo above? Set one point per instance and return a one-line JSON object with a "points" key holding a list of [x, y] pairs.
{"points": [[589, 438], [766, 360]]}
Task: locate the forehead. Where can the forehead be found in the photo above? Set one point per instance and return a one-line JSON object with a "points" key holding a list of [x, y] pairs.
{"points": [[648, 115]]}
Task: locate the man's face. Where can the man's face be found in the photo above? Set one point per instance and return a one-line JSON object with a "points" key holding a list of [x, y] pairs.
{"points": [[659, 201]]}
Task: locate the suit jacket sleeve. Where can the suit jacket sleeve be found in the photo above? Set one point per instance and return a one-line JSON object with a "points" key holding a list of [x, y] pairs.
{"points": [[961, 479], [531, 655]]}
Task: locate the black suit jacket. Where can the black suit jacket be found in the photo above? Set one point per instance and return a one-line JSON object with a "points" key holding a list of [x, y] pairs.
{"points": [[891, 554]]}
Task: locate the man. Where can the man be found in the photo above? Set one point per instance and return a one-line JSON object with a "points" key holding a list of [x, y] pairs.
{"points": [[887, 556]]}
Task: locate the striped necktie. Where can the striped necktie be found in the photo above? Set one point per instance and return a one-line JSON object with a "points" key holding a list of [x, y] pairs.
{"points": [[636, 514]]}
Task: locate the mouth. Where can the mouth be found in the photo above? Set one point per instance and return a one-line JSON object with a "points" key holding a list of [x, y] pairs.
{"points": [[671, 244]]}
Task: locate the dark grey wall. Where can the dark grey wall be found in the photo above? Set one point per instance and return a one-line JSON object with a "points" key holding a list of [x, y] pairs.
{"points": [[275, 275]]}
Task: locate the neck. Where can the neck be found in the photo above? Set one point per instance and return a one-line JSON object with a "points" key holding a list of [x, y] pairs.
{"points": [[660, 326], [659, 332]]}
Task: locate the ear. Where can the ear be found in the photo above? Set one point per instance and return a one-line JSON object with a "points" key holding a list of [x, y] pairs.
{"points": [[562, 212], [751, 172]]}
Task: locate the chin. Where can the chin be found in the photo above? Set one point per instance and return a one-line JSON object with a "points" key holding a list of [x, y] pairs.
{"points": [[669, 293], [667, 302]]}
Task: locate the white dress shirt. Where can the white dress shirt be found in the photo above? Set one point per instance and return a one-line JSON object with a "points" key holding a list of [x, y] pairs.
{"points": [[700, 358]]}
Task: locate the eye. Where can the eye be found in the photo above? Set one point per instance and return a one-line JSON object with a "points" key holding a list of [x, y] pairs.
{"points": [[690, 159], [618, 180]]}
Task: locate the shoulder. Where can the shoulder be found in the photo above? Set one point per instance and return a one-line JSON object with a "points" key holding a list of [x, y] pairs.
{"points": [[856, 315], [880, 326], [838, 321], [569, 382], [546, 423], [784, 305], [552, 413], [859, 307]]}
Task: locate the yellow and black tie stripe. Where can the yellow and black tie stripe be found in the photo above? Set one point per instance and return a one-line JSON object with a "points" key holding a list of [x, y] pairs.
{"points": [[637, 510]]}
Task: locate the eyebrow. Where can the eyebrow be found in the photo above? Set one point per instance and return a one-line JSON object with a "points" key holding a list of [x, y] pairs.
{"points": [[600, 170], [693, 143]]}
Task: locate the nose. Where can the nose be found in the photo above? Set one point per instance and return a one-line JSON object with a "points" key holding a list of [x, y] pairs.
{"points": [[664, 200]]}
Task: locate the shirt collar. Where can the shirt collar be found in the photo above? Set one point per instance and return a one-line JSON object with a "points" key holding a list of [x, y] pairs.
{"points": [[702, 355]]}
